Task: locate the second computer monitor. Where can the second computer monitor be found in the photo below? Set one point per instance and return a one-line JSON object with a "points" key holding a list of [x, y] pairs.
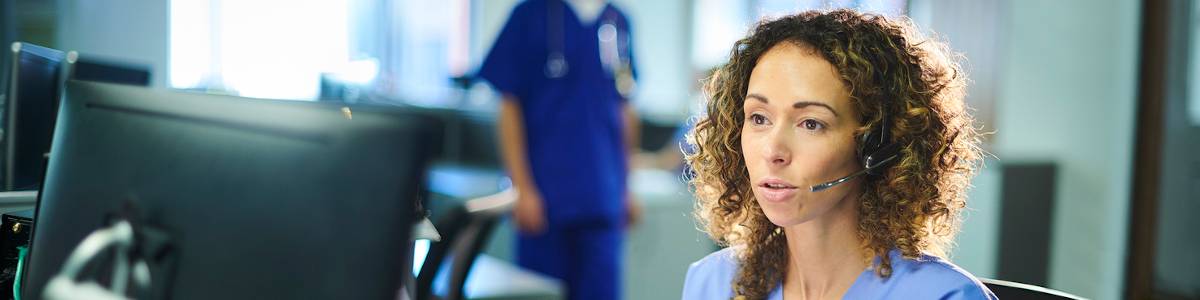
{"points": [[92, 68], [35, 81]]}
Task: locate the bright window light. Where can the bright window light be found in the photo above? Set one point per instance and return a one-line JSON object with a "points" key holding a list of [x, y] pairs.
{"points": [[359, 72], [262, 48]]}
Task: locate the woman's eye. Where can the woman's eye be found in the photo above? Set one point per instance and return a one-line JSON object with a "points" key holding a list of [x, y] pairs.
{"points": [[811, 124], [758, 119]]}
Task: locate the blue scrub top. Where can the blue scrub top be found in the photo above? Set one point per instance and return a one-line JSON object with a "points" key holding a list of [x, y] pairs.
{"points": [[926, 277], [574, 127]]}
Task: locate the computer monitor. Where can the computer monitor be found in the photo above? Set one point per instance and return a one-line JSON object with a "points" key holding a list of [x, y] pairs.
{"points": [[260, 199], [29, 110], [92, 68]]}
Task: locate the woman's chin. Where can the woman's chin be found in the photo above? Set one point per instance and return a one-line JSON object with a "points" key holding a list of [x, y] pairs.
{"points": [[784, 216]]}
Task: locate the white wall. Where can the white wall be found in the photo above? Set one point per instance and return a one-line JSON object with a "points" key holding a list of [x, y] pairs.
{"points": [[661, 41], [134, 31], [1065, 80], [1068, 93], [977, 244], [975, 29], [488, 17]]}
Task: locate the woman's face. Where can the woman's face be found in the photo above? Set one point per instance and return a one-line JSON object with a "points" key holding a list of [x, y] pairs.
{"points": [[798, 132]]}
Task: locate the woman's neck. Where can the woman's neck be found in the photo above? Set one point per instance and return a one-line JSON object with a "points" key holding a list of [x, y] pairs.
{"points": [[825, 255]]}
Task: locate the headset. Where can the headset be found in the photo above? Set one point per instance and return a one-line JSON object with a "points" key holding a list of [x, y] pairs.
{"points": [[876, 151]]}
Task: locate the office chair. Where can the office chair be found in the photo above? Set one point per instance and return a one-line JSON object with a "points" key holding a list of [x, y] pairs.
{"points": [[465, 229], [1013, 290]]}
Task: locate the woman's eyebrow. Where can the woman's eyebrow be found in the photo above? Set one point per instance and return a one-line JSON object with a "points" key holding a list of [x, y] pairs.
{"points": [[797, 105], [758, 97], [803, 104]]}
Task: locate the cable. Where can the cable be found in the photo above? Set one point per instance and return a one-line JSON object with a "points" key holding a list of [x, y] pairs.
{"points": [[21, 251]]}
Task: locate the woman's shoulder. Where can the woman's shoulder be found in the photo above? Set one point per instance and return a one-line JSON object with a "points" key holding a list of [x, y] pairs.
{"points": [[712, 276], [926, 277]]}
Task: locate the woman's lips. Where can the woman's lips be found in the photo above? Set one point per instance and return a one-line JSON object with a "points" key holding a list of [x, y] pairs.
{"points": [[775, 190]]}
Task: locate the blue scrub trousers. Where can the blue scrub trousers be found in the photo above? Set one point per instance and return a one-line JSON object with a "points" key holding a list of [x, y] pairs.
{"points": [[587, 257]]}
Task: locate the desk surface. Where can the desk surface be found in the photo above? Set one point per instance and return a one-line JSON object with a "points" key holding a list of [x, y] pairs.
{"points": [[17, 200], [492, 278], [465, 182]]}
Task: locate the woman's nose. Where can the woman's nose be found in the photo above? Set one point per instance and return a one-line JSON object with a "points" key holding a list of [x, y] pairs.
{"points": [[776, 151]]}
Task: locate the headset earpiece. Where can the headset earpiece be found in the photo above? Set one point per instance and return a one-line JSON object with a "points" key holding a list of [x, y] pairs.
{"points": [[878, 161], [877, 150], [870, 142]]}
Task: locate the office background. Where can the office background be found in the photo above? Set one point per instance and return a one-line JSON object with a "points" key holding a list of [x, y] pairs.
{"points": [[1060, 83]]}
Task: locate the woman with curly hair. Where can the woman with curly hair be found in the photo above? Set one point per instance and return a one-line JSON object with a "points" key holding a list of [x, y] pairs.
{"points": [[833, 160]]}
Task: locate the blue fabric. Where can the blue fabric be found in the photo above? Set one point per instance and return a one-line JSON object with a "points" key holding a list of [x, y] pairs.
{"points": [[587, 257], [927, 277], [573, 124]]}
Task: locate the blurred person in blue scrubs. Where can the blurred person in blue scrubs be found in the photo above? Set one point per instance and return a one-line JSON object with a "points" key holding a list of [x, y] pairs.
{"points": [[564, 70], [833, 161]]}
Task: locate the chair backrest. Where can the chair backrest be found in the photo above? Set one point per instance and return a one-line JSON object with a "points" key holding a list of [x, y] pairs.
{"points": [[1014, 290], [465, 229], [449, 224], [484, 214]]}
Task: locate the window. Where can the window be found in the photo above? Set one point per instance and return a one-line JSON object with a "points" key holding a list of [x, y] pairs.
{"points": [[285, 48], [265, 48]]}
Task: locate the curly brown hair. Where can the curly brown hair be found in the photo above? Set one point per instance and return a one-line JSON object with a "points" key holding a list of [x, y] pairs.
{"points": [[889, 67]]}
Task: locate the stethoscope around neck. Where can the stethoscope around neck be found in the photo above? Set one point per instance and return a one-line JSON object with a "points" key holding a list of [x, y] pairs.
{"points": [[611, 56]]}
